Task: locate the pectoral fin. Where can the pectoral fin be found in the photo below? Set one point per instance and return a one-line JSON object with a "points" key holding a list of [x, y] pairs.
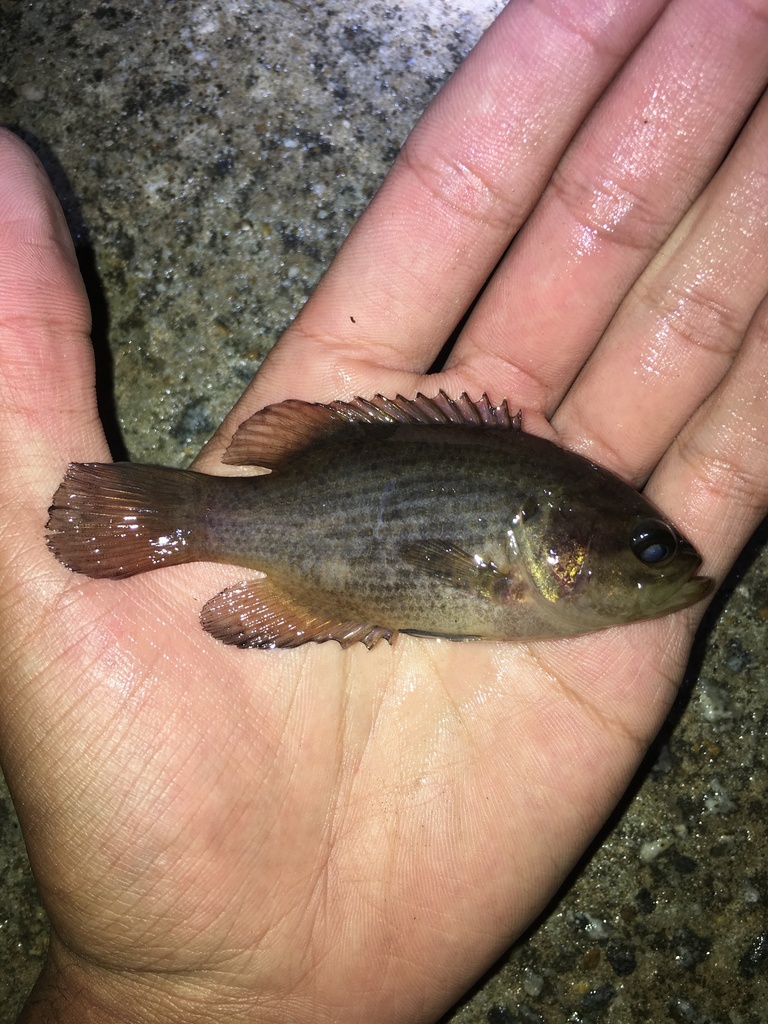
{"points": [[472, 573], [443, 560], [256, 614]]}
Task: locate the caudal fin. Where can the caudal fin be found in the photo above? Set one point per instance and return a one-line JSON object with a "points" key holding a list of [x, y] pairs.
{"points": [[118, 519]]}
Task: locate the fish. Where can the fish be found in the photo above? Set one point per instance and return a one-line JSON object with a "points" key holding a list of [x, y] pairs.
{"points": [[434, 517]]}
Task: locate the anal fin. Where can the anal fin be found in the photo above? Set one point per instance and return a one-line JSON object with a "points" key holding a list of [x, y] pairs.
{"points": [[256, 613]]}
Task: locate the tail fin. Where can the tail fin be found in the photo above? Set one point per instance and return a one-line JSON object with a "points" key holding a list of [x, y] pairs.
{"points": [[118, 519]]}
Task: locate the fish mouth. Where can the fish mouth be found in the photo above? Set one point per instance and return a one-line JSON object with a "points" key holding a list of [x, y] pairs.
{"points": [[697, 587], [694, 589]]}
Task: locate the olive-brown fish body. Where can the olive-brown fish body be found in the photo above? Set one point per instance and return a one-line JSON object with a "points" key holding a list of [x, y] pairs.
{"points": [[448, 529]]}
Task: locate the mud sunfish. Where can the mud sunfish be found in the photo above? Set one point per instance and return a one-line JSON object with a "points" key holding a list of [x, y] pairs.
{"points": [[429, 516]]}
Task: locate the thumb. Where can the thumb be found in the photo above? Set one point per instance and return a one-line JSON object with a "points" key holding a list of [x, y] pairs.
{"points": [[48, 412], [47, 401]]}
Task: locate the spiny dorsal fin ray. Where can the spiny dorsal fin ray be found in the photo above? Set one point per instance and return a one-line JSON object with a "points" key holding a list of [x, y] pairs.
{"points": [[278, 432]]}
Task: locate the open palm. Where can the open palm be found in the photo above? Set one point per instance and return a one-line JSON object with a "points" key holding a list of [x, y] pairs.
{"points": [[328, 835]]}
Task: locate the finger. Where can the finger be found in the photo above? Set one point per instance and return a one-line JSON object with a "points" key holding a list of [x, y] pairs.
{"points": [[648, 148], [465, 180], [47, 404], [714, 479], [677, 333], [713, 483]]}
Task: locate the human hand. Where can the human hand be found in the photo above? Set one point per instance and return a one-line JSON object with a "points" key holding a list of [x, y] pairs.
{"points": [[327, 835]]}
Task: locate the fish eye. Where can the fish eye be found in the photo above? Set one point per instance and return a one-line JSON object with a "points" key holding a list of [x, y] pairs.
{"points": [[653, 542]]}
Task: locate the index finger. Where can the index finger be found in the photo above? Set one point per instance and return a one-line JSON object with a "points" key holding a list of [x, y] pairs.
{"points": [[463, 183]]}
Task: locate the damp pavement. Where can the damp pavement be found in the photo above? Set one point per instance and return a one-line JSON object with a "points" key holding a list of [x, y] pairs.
{"points": [[210, 158]]}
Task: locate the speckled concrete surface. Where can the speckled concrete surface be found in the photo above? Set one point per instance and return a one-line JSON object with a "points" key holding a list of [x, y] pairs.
{"points": [[211, 157]]}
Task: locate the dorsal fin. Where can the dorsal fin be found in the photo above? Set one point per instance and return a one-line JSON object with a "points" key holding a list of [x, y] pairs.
{"points": [[278, 432]]}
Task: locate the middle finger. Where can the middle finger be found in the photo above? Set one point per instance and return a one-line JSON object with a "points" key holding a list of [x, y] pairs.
{"points": [[678, 331], [641, 158]]}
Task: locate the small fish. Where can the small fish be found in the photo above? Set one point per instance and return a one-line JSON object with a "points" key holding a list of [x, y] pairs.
{"points": [[429, 516]]}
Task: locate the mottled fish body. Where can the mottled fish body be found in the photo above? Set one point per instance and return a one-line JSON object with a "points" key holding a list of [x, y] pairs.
{"points": [[430, 516]]}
